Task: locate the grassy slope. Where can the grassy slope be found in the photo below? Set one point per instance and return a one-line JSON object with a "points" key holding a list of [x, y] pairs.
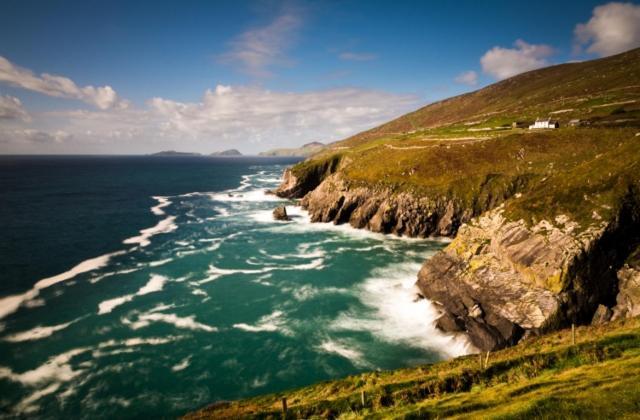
{"points": [[546, 377], [436, 152], [583, 87]]}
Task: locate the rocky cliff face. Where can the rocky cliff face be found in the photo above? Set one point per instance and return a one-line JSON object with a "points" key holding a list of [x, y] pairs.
{"points": [[499, 280], [382, 210]]}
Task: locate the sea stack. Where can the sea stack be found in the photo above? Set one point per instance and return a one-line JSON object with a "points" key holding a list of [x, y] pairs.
{"points": [[280, 213]]}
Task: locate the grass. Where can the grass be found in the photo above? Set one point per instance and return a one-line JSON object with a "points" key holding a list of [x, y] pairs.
{"points": [[464, 150], [569, 171], [542, 377]]}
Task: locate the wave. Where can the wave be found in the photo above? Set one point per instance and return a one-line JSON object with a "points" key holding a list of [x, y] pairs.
{"points": [[257, 195], [163, 226], [10, 304], [215, 273], [38, 333], [139, 341], [307, 292], [182, 365], [155, 284], [162, 203], [269, 323], [188, 322], [395, 316], [343, 349]]}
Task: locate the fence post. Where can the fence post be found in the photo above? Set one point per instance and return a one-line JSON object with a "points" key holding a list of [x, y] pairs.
{"points": [[362, 399], [486, 361], [284, 407], [573, 334]]}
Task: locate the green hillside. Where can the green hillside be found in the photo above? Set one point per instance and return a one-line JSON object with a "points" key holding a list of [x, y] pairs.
{"points": [[465, 149], [600, 92]]}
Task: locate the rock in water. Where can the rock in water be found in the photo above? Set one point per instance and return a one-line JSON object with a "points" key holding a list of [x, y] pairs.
{"points": [[280, 213]]}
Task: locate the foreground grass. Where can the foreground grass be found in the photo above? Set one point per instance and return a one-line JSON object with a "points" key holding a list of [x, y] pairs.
{"points": [[543, 377]]}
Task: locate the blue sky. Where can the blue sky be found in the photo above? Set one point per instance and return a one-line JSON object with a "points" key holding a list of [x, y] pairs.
{"points": [[269, 66]]}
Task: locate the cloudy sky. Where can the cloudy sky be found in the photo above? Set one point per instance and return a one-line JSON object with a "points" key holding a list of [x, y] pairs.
{"points": [[138, 77]]}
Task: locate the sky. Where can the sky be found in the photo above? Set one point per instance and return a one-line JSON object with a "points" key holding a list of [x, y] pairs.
{"points": [[122, 77]]}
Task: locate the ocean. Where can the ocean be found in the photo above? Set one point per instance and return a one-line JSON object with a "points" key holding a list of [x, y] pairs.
{"points": [[152, 286]]}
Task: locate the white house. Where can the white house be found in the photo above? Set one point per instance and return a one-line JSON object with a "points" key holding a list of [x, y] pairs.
{"points": [[544, 123]]}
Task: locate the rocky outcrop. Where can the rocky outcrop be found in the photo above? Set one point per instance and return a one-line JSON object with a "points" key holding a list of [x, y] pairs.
{"points": [[500, 279], [280, 213], [305, 177], [628, 298], [382, 210]]}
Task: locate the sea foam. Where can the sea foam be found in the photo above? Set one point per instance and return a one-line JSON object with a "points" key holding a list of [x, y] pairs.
{"points": [[164, 226], [10, 304], [155, 284], [395, 315]]}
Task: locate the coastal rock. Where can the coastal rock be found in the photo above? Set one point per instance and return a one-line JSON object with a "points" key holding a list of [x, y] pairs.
{"points": [[504, 278], [501, 278], [297, 184], [382, 210], [628, 298], [280, 213], [602, 315]]}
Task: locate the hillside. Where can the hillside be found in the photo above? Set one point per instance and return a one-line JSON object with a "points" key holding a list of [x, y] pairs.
{"points": [[603, 92], [305, 150], [544, 377], [543, 220]]}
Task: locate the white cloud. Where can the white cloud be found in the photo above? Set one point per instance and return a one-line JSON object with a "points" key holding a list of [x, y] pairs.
{"points": [[258, 114], [502, 63], [613, 28], [467, 78], [30, 135], [11, 109], [250, 119], [258, 49], [355, 56], [103, 97]]}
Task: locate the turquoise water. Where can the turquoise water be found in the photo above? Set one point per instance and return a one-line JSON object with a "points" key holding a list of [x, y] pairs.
{"points": [[135, 287]]}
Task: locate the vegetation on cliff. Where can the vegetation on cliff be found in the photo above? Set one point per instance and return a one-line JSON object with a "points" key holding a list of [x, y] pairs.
{"points": [[547, 217], [545, 377]]}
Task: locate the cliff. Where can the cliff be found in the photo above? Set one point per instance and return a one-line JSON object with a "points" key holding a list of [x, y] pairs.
{"points": [[544, 221]]}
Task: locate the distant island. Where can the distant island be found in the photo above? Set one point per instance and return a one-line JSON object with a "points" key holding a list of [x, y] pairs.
{"points": [[174, 153], [227, 153], [305, 151]]}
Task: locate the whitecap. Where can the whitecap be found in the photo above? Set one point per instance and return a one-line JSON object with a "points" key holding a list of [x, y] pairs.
{"points": [[188, 322], [395, 316], [38, 333], [160, 262], [182, 365], [155, 284], [258, 195], [307, 292], [163, 226], [343, 349], [162, 203], [269, 323], [56, 369], [10, 304], [215, 273]]}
